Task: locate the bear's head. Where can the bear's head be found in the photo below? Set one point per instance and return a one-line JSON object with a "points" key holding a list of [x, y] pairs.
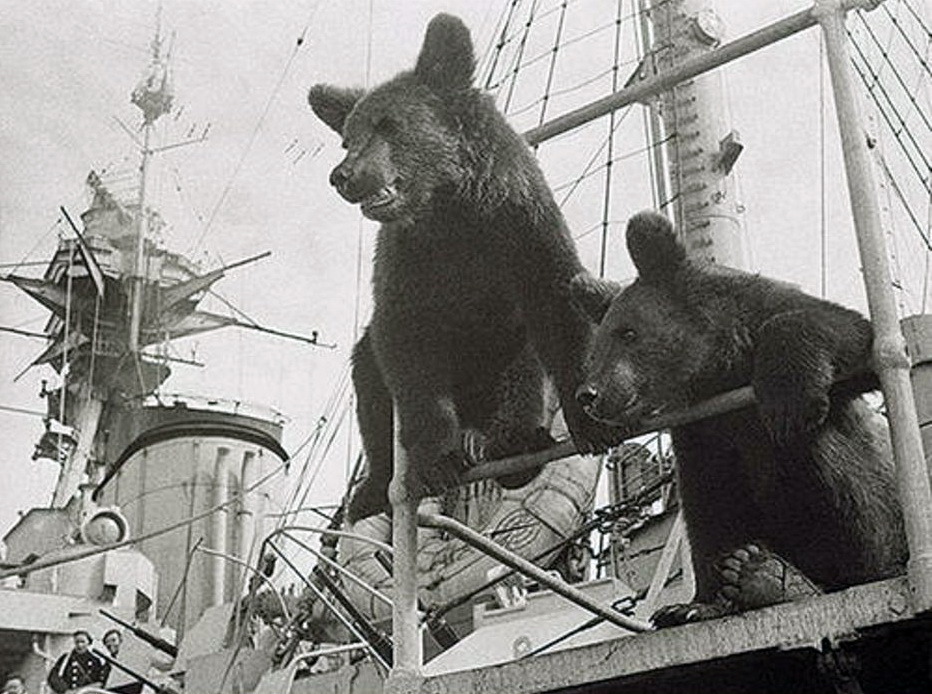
{"points": [[652, 341], [403, 138]]}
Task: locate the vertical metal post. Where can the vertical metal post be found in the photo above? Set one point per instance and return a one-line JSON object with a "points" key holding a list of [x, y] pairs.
{"points": [[406, 636], [890, 358], [138, 286]]}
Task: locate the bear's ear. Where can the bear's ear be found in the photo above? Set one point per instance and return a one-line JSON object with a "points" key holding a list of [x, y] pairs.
{"points": [[653, 247], [592, 296], [447, 61], [333, 104]]}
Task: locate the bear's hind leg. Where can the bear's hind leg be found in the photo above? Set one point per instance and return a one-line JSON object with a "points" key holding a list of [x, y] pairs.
{"points": [[374, 414]]}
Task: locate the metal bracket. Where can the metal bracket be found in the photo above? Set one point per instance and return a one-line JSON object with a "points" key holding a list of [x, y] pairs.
{"points": [[729, 149]]}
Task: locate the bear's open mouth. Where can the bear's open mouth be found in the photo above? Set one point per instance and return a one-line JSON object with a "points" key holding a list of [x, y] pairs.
{"points": [[630, 418], [383, 198]]}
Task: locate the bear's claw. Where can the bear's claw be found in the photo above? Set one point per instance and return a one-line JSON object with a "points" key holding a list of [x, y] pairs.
{"points": [[685, 613]]}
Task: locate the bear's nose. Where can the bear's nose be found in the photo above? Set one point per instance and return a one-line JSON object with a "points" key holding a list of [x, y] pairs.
{"points": [[340, 175], [586, 396]]}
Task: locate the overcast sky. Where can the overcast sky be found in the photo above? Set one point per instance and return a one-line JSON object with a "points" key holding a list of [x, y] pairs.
{"points": [[66, 70]]}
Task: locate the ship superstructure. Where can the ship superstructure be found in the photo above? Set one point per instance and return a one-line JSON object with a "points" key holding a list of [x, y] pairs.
{"points": [[133, 459]]}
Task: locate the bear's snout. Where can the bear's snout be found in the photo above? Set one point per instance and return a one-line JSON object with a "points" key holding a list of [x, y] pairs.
{"points": [[340, 175]]}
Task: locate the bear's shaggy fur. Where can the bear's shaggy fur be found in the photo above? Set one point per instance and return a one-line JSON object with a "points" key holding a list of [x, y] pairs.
{"points": [[807, 472], [473, 262]]}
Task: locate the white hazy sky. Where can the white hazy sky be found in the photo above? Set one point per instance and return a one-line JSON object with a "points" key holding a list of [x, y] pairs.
{"points": [[66, 69]]}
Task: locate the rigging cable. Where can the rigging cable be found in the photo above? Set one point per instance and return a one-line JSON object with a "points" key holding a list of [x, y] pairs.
{"points": [[545, 99], [823, 193], [610, 146], [923, 178], [925, 279], [902, 198], [885, 54], [923, 60], [16, 266], [588, 170], [324, 421], [520, 54], [499, 46], [255, 131]]}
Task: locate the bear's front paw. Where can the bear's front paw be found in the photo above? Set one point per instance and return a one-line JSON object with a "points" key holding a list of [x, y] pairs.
{"points": [[685, 613], [441, 475], [792, 418]]}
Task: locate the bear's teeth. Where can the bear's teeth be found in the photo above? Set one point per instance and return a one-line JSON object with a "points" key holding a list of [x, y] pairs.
{"points": [[383, 197]]}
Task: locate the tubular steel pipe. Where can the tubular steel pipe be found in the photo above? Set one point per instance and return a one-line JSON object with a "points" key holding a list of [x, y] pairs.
{"points": [[407, 654], [653, 86], [716, 405], [890, 358], [526, 568]]}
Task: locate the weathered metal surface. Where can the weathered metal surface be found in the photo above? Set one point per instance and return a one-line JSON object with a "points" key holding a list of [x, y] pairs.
{"points": [[788, 626]]}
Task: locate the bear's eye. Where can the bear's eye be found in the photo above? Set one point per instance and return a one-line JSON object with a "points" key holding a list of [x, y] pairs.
{"points": [[627, 335]]}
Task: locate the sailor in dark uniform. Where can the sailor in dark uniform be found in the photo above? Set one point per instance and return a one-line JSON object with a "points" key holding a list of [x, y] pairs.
{"points": [[79, 667]]}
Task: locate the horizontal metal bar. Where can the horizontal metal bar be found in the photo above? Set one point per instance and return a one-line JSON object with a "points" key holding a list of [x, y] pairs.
{"points": [[719, 404], [653, 86], [523, 566], [799, 624]]}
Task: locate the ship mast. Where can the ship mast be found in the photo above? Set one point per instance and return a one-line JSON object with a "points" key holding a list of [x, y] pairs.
{"points": [[692, 118], [153, 96]]}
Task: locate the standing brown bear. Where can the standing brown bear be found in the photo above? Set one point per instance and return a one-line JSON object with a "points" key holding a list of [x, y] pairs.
{"points": [[805, 476], [473, 262]]}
